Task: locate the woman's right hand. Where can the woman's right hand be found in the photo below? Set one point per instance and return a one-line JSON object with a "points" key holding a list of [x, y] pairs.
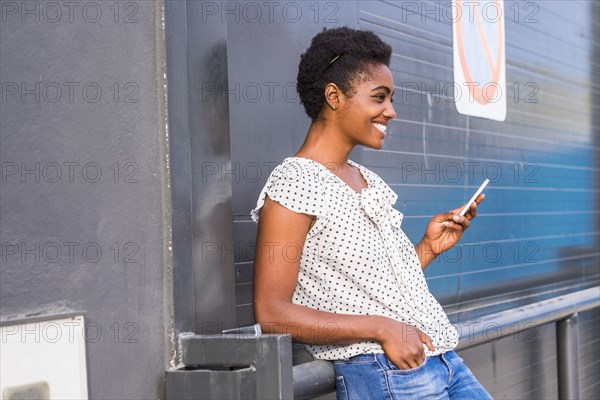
{"points": [[403, 344]]}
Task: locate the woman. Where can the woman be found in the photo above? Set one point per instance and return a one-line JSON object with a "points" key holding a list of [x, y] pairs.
{"points": [[333, 268]]}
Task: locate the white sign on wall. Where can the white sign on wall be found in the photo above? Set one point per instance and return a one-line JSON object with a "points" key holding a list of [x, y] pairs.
{"points": [[479, 58], [46, 356]]}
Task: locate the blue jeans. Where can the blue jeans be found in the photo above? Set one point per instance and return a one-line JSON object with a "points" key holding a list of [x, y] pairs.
{"points": [[374, 376]]}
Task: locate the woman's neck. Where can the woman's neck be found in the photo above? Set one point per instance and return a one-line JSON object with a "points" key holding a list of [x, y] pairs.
{"points": [[325, 145]]}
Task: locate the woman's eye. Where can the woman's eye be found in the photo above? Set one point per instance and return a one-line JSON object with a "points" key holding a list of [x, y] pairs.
{"points": [[381, 98]]}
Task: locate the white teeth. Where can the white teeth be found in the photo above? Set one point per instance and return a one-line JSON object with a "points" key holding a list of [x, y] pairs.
{"points": [[381, 127]]}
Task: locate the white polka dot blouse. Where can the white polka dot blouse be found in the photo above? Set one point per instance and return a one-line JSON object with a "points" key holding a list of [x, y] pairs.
{"points": [[356, 259]]}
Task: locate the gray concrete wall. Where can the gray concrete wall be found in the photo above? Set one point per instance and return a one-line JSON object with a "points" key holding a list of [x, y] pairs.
{"points": [[85, 197]]}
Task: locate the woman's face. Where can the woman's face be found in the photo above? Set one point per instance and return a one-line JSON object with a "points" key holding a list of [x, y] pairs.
{"points": [[367, 113]]}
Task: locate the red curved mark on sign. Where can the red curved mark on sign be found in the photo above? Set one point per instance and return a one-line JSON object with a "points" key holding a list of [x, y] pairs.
{"points": [[478, 91]]}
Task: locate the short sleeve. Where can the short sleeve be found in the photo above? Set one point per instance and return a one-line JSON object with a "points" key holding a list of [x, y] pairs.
{"points": [[297, 186]]}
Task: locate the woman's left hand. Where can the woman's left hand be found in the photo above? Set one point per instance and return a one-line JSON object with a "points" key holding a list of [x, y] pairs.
{"points": [[444, 231]]}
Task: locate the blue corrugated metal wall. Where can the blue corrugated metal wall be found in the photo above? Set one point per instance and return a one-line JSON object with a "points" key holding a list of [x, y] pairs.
{"points": [[537, 233], [539, 222]]}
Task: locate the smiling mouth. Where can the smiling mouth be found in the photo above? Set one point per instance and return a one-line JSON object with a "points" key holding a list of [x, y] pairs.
{"points": [[380, 127]]}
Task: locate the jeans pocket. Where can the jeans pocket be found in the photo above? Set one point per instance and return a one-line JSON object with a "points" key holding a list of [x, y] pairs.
{"points": [[340, 388], [397, 371]]}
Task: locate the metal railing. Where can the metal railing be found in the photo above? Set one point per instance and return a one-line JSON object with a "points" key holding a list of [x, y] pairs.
{"points": [[318, 377]]}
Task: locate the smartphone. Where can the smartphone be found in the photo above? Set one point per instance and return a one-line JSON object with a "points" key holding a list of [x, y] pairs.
{"points": [[477, 193]]}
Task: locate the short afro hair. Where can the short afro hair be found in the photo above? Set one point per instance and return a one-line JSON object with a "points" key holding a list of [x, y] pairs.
{"points": [[339, 56]]}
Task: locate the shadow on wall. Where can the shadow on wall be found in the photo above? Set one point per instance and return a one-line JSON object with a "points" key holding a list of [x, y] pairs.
{"points": [[215, 107]]}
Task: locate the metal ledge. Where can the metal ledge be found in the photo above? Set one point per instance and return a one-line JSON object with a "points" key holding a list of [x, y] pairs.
{"points": [[313, 379], [509, 322]]}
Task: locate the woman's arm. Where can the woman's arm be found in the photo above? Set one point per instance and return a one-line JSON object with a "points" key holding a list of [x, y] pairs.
{"points": [[281, 235], [444, 231]]}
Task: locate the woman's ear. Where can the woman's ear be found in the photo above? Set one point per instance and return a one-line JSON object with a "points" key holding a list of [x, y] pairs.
{"points": [[332, 95]]}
